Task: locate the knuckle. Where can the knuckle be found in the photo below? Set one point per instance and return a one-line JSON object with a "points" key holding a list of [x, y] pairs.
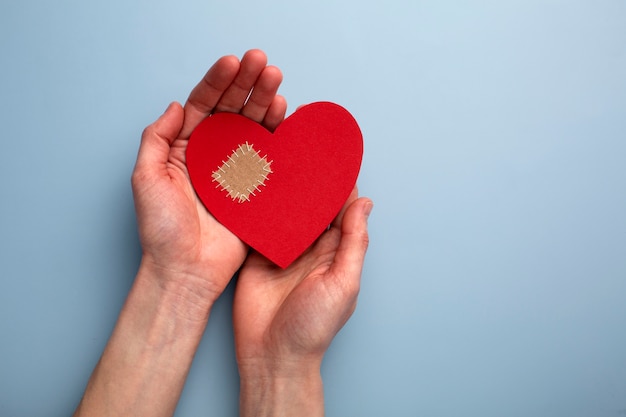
{"points": [[136, 178], [351, 288], [148, 132], [139, 177], [363, 239]]}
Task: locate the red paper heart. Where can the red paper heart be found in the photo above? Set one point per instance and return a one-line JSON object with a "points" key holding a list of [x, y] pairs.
{"points": [[276, 191]]}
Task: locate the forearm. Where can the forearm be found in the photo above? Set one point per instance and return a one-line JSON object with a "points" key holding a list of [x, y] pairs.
{"points": [[272, 393], [146, 361]]}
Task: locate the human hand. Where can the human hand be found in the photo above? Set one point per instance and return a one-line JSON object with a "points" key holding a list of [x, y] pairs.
{"points": [[188, 257], [182, 243], [285, 319]]}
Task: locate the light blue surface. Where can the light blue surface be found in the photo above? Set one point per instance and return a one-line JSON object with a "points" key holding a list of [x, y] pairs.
{"points": [[495, 137]]}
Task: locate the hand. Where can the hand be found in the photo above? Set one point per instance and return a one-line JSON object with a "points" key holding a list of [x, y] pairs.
{"points": [[285, 320], [178, 236], [188, 257]]}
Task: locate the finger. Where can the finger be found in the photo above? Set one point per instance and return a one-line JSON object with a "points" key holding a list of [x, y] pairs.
{"points": [[263, 94], [157, 138], [252, 64], [350, 255], [354, 194], [205, 96], [276, 113]]}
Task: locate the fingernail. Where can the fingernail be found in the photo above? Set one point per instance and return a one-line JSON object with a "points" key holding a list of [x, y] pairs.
{"points": [[168, 107], [367, 208]]}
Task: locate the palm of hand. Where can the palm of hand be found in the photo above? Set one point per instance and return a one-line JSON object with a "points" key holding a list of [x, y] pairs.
{"points": [[279, 309], [177, 233], [292, 315]]}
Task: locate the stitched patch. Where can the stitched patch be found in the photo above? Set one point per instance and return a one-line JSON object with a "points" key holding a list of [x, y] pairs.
{"points": [[243, 173]]}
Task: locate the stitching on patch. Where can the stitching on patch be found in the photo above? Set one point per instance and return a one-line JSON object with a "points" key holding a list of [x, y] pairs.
{"points": [[243, 173]]}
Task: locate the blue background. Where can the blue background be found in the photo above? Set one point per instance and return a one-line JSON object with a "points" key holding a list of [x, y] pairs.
{"points": [[495, 136]]}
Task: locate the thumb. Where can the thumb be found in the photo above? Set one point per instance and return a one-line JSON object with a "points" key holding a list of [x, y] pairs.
{"points": [[158, 137], [350, 254]]}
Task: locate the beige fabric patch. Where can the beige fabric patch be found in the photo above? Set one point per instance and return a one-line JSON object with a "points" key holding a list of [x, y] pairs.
{"points": [[243, 173]]}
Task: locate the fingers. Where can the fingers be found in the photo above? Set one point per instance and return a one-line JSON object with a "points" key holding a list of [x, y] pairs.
{"points": [[354, 194], [252, 65], [205, 96], [157, 138], [263, 94], [350, 254], [275, 113], [248, 87]]}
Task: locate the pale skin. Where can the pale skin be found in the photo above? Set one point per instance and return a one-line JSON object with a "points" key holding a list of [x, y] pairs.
{"points": [[284, 319]]}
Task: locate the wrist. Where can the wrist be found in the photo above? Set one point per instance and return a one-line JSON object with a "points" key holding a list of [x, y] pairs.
{"points": [[281, 389], [145, 363], [186, 294]]}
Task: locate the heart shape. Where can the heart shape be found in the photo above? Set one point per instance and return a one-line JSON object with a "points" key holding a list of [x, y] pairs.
{"points": [[277, 192]]}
